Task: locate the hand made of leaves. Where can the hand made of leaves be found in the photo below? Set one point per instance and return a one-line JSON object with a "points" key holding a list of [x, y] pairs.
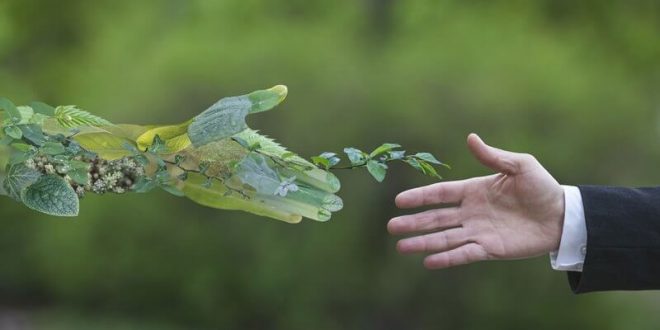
{"points": [[54, 156]]}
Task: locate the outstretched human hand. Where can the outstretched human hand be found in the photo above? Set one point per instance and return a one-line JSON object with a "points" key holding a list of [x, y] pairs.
{"points": [[517, 213]]}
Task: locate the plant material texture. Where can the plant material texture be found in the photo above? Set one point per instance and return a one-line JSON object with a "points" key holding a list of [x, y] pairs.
{"points": [[52, 156]]}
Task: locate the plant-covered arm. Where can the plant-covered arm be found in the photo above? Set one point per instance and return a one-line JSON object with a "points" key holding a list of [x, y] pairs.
{"points": [[51, 157]]}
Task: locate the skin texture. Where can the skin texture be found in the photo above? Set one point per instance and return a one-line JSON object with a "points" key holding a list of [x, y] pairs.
{"points": [[514, 214]]}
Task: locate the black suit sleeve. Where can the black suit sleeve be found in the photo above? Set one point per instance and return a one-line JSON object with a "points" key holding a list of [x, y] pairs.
{"points": [[623, 240]]}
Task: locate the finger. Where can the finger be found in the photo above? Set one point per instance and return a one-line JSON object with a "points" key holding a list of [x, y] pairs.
{"points": [[496, 159], [462, 255], [443, 192], [436, 242], [424, 221]]}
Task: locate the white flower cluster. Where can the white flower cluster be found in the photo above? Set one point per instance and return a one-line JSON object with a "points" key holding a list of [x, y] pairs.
{"points": [[116, 176]]}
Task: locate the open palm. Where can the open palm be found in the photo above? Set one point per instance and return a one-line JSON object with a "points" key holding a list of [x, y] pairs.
{"points": [[517, 213]]}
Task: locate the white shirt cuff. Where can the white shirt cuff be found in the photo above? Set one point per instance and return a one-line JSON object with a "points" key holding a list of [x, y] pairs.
{"points": [[573, 245]]}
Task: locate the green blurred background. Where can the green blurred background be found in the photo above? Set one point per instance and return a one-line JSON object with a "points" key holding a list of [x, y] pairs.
{"points": [[573, 82]]}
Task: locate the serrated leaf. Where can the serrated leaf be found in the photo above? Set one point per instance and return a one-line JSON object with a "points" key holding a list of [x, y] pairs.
{"points": [[52, 195], [227, 116], [377, 170], [383, 149], [427, 157], [356, 156], [69, 116], [18, 178]]}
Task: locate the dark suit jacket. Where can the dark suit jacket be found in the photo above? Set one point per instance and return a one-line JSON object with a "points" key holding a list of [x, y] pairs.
{"points": [[623, 240]]}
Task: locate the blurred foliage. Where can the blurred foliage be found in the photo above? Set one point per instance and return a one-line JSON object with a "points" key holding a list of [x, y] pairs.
{"points": [[575, 83]]}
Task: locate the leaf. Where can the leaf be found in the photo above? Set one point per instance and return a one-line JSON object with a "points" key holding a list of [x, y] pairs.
{"points": [[143, 185], [429, 170], [14, 132], [26, 114], [52, 195], [255, 171], [217, 196], [172, 190], [108, 146], [396, 155], [175, 137], [286, 186], [79, 171], [383, 149], [33, 133], [52, 148], [18, 178], [43, 108], [377, 170], [70, 116], [321, 162], [356, 156], [12, 112], [227, 116], [427, 157]]}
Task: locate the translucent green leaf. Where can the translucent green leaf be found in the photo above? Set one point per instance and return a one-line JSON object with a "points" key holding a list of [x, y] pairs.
{"points": [[377, 170], [108, 146], [18, 178], [218, 196], [383, 149], [52, 195], [255, 171], [227, 117]]}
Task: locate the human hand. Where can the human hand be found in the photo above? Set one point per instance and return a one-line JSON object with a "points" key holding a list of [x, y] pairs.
{"points": [[517, 213]]}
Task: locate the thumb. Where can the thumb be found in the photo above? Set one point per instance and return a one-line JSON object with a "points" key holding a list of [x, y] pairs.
{"points": [[499, 160]]}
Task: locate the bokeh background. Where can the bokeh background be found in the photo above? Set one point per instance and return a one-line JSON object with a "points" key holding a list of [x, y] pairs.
{"points": [[573, 82]]}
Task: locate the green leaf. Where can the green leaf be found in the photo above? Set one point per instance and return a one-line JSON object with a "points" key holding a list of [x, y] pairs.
{"points": [[33, 133], [157, 145], [43, 108], [227, 117], [18, 178], [108, 146], [255, 171], [396, 155], [383, 149], [429, 170], [267, 99], [143, 185], [175, 137], [79, 171], [14, 132], [12, 112], [356, 156], [321, 162], [172, 190], [70, 116], [52, 195], [52, 148], [427, 157], [377, 170]]}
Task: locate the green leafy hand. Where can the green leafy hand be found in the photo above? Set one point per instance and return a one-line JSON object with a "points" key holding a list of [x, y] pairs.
{"points": [[214, 159]]}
